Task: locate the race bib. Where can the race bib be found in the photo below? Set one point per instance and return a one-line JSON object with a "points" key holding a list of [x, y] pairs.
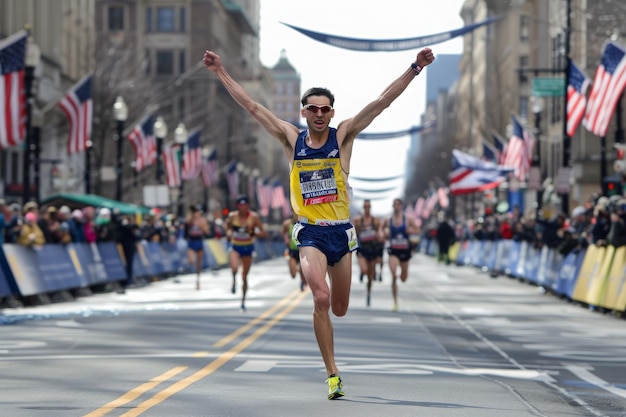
{"points": [[367, 235], [319, 186], [399, 243]]}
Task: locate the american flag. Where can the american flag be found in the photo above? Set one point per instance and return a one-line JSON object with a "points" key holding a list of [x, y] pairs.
{"points": [[144, 143], [470, 174], [419, 207], [264, 195], [608, 85], [520, 150], [210, 169], [232, 178], [77, 105], [12, 90], [490, 153], [429, 205], [501, 145], [576, 99], [278, 199], [442, 197], [252, 187], [171, 161], [192, 156]]}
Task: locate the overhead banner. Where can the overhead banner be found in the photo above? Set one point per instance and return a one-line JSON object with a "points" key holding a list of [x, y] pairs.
{"points": [[389, 45]]}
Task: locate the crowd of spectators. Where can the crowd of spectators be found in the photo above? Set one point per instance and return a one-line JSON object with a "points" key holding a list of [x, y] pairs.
{"points": [[600, 221]]}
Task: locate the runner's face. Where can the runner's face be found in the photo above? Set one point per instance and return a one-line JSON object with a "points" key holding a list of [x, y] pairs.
{"points": [[318, 121]]}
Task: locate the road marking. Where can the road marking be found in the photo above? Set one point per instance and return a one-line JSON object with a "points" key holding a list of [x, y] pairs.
{"points": [[291, 301], [587, 376]]}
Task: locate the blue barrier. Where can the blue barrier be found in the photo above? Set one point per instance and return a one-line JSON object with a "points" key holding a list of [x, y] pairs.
{"points": [[91, 268], [23, 270], [57, 269], [112, 260], [6, 289], [568, 272]]}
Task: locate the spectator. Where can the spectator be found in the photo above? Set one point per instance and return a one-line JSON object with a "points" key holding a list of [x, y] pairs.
{"points": [[600, 229], [445, 238], [77, 227], [548, 231], [14, 224], [49, 225], [127, 236], [91, 236], [106, 229], [64, 215], [617, 231], [31, 234], [4, 213]]}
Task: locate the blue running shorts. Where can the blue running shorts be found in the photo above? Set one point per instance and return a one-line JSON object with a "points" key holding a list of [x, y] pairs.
{"points": [[333, 241]]}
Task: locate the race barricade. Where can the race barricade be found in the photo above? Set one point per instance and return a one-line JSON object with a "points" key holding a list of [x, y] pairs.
{"points": [[532, 264], [490, 251], [568, 272], [590, 268], [219, 250], [5, 285], [503, 255], [615, 282], [453, 253], [89, 264], [519, 268], [112, 260]]}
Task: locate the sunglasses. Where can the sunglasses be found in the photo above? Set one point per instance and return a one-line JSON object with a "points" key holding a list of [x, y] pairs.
{"points": [[314, 108]]}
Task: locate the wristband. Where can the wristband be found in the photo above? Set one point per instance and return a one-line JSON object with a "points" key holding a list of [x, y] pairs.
{"points": [[416, 68]]}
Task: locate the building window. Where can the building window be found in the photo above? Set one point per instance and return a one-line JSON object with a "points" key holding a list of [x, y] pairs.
{"points": [[165, 63], [523, 107], [116, 18], [524, 28], [15, 168], [183, 20], [165, 19], [181, 108], [148, 19], [523, 67], [182, 64]]}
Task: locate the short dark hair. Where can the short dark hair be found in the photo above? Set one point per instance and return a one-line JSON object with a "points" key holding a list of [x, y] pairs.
{"points": [[317, 91]]}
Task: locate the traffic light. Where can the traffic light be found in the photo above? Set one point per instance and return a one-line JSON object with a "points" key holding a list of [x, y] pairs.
{"points": [[225, 212], [612, 186]]}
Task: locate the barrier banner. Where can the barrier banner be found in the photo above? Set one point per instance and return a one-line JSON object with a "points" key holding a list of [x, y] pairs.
{"points": [[90, 266], [432, 248], [519, 268], [555, 259], [589, 269], [209, 259], [531, 267], [568, 272], [453, 253], [24, 269], [503, 255], [57, 269], [168, 261], [597, 285], [152, 251], [476, 252], [5, 287], [544, 254], [489, 258], [112, 260], [218, 249], [141, 263], [464, 250], [616, 281]]}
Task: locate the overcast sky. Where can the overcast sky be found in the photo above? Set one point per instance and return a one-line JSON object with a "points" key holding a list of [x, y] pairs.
{"points": [[356, 78]]}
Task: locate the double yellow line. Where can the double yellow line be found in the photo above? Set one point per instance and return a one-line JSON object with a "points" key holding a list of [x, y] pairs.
{"points": [[286, 305]]}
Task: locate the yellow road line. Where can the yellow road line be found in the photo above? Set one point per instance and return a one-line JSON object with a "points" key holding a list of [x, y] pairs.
{"points": [[213, 366], [294, 299], [136, 392], [226, 340]]}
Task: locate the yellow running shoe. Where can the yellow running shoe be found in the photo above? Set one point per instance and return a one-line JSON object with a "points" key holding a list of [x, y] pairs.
{"points": [[335, 387]]}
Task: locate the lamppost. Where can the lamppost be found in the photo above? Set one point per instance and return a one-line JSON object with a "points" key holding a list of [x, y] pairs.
{"points": [[180, 136], [255, 175], [206, 151], [120, 111], [33, 57], [537, 110], [160, 131]]}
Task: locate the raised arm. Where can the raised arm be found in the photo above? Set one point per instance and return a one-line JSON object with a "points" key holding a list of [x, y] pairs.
{"points": [[285, 132], [350, 128]]}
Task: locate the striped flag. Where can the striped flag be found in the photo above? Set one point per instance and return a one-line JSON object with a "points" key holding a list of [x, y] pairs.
{"points": [[12, 90], [500, 144], [144, 142], [442, 197], [608, 85], [232, 178], [576, 99], [520, 150], [470, 174], [77, 105], [252, 180], [490, 153], [419, 207], [264, 195], [278, 200], [171, 161], [192, 156], [429, 205], [210, 169]]}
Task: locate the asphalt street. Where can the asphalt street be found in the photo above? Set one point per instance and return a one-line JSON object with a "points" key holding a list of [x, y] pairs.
{"points": [[461, 344]]}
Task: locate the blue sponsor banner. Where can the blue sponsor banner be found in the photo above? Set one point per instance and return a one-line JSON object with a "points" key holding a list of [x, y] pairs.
{"points": [[5, 273], [517, 258], [533, 261], [168, 261], [90, 261], [24, 269], [57, 269], [389, 45], [489, 254], [112, 260], [568, 273], [141, 263], [209, 259], [503, 254], [155, 256]]}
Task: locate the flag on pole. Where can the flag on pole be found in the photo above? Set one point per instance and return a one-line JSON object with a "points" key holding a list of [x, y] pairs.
{"points": [[232, 178], [210, 169], [171, 161], [519, 150], [500, 144], [278, 200], [608, 85], [77, 105], [419, 207], [144, 142], [470, 174], [12, 90], [429, 205], [490, 153], [442, 197], [192, 156], [576, 99], [264, 195]]}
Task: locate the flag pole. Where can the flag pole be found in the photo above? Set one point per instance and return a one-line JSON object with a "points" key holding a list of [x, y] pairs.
{"points": [[566, 139]]}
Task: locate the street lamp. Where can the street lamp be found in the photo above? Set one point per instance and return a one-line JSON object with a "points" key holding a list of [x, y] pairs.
{"points": [[160, 131], [537, 110], [120, 111], [206, 151], [180, 136], [32, 59]]}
